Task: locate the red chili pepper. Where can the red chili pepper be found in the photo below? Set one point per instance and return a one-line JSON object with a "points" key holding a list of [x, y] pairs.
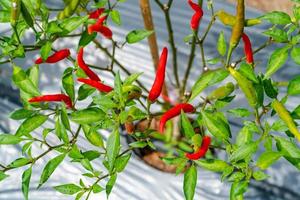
{"points": [[92, 75], [96, 14], [160, 76], [206, 140], [195, 20], [57, 56], [99, 27], [173, 112], [95, 84], [248, 48], [53, 97]]}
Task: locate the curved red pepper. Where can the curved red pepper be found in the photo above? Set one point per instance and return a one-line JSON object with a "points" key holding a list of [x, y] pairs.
{"points": [[95, 84], [160, 76], [53, 97], [173, 112], [96, 14], [54, 58], [206, 140], [248, 49], [195, 20], [92, 75], [99, 27]]}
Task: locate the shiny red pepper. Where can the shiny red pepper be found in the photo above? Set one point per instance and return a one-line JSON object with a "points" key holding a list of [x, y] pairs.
{"points": [[206, 140], [195, 20], [248, 49], [160, 76], [54, 58], [99, 27], [173, 112], [96, 14], [53, 97], [96, 84], [92, 75]]}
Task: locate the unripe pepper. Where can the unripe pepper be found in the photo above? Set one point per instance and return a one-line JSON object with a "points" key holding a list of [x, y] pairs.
{"points": [[284, 114], [160, 76], [53, 97], [230, 20], [206, 140], [246, 86], [173, 112], [69, 10], [221, 92], [54, 58], [15, 11], [92, 75], [96, 14], [96, 84], [195, 20], [248, 49]]}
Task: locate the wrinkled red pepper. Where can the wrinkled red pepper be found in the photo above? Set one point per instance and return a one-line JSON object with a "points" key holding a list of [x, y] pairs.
{"points": [[54, 58], [99, 27], [248, 49], [92, 75], [196, 18], [160, 76], [96, 84], [96, 14], [206, 140], [53, 97], [173, 112]]}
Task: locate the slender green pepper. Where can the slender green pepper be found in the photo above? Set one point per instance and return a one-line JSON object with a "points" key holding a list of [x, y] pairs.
{"points": [[221, 92], [230, 20], [69, 9], [15, 12], [284, 114], [246, 86]]}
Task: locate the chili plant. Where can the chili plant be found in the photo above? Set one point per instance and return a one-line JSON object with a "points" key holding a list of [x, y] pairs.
{"points": [[193, 124]]}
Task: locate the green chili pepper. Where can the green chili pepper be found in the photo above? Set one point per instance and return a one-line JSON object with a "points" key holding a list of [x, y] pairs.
{"points": [[245, 85], [221, 92], [15, 12], [284, 114], [69, 9], [230, 20]]}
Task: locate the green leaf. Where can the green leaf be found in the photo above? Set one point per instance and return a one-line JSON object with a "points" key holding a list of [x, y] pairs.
{"points": [[188, 129], [30, 124], [221, 45], [116, 17], [267, 158], [238, 189], [93, 136], [190, 182], [87, 116], [270, 89], [21, 114], [138, 144], [243, 152], [26, 176], [110, 184], [277, 17], [239, 112], [9, 139], [287, 147], [113, 148], [53, 27], [64, 118], [294, 86], [213, 165], [137, 35], [132, 78], [69, 189], [97, 188], [237, 176], [46, 49], [68, 83], [3, 176], [50, 167], [26, 15], [61, 131], [259, 175], [84, 91], [276, 61], [248, 71], [72, 23], [121, 162], [207, 79], [118, 86], [86, 38], [277, 34], [4, 16], [295, 54], [19, 162], [244, 136]]}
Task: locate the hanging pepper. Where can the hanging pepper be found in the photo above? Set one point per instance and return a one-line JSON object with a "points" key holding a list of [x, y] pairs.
{"points": [[69, 9], [173, 112], [92, 75], [206, 140], [96, 84], [96, 14], [284, 114], [54, 58], [15, 11], [53, 97], [246, 86], [195, 20], [221, 92], [238, 28], [99, 27], [248, 49], [160, 76]]}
